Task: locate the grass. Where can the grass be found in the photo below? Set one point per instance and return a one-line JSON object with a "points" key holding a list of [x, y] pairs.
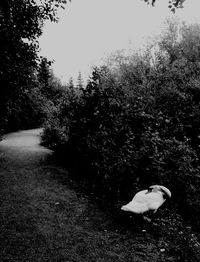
{"points": [[47, 216]]}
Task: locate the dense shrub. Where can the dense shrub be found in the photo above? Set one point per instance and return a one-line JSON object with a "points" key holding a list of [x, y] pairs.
{"points": [[136, 124]]}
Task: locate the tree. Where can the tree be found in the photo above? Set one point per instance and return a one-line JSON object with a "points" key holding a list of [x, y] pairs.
{"points": [[44, 73], [20, 25], [79, 81], [70, 84]]}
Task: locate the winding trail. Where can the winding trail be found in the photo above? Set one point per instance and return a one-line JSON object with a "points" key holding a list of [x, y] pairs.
{"points": [[43, 218]]}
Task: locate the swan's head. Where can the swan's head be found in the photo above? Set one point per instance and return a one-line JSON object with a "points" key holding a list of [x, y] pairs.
{"points": [[157, 188]]}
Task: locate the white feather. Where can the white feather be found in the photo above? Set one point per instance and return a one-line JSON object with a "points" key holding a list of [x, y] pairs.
{"points": [[145, 200]]}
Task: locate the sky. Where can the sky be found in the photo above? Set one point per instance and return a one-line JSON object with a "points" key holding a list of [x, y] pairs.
{"points": [[89, 30]]}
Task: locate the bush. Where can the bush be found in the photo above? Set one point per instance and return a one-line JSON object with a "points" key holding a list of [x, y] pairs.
{"points": [[134, 126]]}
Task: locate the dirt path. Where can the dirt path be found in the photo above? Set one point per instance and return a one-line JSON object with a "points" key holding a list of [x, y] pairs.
{"points": [[42, 219]]}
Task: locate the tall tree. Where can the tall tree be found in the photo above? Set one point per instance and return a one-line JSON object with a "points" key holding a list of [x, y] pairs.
{"points": [[21, 22], [70, 84], [79, 81], [44, 73]]}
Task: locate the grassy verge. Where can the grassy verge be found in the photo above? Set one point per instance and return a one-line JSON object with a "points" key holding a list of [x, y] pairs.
{"points": [[47, 216]]}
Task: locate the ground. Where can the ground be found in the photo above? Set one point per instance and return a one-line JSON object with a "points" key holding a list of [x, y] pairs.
{"points": [[45, 216]]}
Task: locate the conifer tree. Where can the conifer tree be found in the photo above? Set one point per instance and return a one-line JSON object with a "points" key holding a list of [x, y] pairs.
{"points": [[79, 81], [44, 73], [70, 84]]}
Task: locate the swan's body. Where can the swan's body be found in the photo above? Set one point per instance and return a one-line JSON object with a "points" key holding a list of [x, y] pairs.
{"points": [[148, 200]]}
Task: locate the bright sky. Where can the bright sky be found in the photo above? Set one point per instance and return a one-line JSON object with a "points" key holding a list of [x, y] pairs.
{"points": [[90, 29]]}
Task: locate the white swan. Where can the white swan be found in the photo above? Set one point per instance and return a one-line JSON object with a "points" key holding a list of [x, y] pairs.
{"points": [[148, 200]]}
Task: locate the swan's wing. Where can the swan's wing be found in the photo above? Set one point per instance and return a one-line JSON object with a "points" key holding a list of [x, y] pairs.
{"points": [[138, 204], [154, 200], [144, 202]]}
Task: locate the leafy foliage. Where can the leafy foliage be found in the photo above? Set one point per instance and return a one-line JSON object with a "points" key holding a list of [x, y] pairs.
{"points": [[21, 23], [137, 122], [173, 4]]}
